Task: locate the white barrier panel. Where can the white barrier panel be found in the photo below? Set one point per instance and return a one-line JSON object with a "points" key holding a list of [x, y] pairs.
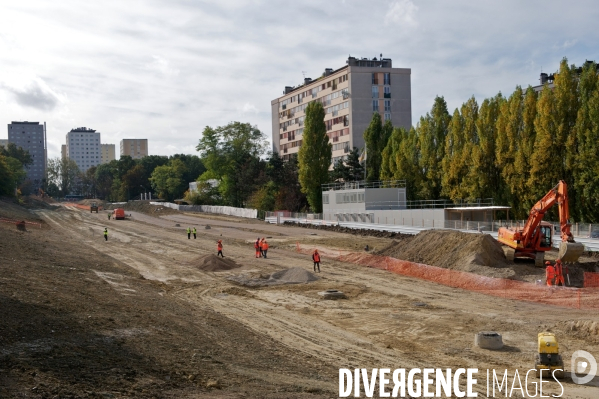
{"points": [[222, 210]]}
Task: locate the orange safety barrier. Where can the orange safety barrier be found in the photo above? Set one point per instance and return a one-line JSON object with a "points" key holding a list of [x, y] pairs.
{"points": [[570, 297]]}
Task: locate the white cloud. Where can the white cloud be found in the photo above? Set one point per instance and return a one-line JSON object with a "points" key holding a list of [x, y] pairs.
{"points": [[161, 65], [249, 108], [34, 94], [402, 12]]}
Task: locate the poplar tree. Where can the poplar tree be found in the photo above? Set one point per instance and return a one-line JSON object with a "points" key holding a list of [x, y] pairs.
{"points": [[432, 133], [546, 166], [373, 137], [458, 146], [389, 155], [314, 156], [586, 164], [407, 160]]}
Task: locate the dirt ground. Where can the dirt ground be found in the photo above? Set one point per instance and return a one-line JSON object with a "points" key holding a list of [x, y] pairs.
{"points": [[135, 316]]}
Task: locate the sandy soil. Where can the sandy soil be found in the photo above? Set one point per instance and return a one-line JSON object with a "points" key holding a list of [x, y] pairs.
{"points": [[134, 317]]}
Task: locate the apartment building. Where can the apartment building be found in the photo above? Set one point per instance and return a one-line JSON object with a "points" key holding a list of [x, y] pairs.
{"points": [[107, 153], [135, 148], [83, 147], [31, 136], [350, 95], [63, 151]]}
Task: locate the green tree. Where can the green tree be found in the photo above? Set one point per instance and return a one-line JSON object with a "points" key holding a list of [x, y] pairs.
{"points": [[390, 154], [64, 174], [167, 180], [18, 153], [373, 138], [340, 171], [7, 180], [356, 168], [432, 132], [314, 156]]}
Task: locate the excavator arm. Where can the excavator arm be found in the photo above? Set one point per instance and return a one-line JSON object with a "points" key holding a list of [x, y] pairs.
{"points": [[558, 194]]}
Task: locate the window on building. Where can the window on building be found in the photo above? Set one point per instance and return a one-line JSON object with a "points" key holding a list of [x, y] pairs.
{"points": [[375, 105], [387, 105], [375, 92], [387, 78], [387, 116], [375, 79], [325, 198]]}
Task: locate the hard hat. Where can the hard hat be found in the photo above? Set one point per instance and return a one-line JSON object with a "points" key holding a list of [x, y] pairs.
{"points": [[548, 263]]}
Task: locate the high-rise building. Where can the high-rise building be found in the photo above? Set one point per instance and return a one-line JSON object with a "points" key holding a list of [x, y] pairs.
{"points": [[83, 147], [63, 151], [135, 148], [350, 96], [107, 153], [31, 136]]}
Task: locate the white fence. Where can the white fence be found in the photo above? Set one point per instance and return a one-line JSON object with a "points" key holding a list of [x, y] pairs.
{"points": [[222, 210]]}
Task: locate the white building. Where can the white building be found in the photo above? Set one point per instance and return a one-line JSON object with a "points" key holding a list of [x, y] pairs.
{"points": [[83, 147]]}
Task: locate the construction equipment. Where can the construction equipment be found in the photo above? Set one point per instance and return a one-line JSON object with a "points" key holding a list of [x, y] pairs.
{"points": [[93, 207], [534, 238], [118, 214], [548, 360]]}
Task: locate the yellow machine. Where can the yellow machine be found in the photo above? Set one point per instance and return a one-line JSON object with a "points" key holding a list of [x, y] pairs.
{"points": [[548, 359]]}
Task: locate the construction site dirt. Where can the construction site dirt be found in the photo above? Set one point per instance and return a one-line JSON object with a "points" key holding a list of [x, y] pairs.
{"points": [[150, 313]]}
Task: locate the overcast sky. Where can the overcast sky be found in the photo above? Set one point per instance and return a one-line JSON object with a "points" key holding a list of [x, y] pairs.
{"points": [[163, 70]]}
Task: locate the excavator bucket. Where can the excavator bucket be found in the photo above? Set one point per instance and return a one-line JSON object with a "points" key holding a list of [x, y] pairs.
{"points": [[570, 251]]}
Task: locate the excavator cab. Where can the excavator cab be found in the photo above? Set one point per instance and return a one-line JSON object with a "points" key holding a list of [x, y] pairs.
{"points": [[546, 233]]}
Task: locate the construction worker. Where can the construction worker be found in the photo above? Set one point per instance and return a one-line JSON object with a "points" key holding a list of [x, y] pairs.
{"points": [[316, 259], [559, 273], [219, 247], [257, 248], [105, 234], [109, 214], [264, 247], [194, 231], [549, 273], [188, 233]]}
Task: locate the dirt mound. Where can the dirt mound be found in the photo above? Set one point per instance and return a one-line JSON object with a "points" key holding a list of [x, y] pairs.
{"points": [[294, 275], [347, 230], [212, 263], [143, 207], [477, 253]]}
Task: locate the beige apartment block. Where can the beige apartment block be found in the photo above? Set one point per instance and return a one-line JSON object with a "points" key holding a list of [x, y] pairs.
{"points": [[135, 148], [63, 151], [350, 95], [107, 153]]}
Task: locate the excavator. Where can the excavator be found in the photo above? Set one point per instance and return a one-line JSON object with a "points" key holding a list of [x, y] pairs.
{"points": [[534, 238]]}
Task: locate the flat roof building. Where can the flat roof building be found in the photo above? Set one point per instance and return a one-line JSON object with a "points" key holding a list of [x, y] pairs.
{"points": [[135, 148], [83, 147], [107, 153], [31, 136], [350, 96]]}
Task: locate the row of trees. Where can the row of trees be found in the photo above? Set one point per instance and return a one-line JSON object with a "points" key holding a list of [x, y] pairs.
{"points": [[13, 161], [511, 149]]}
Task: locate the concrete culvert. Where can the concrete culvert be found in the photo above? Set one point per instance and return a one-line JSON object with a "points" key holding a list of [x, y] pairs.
{"points": [[207, 227], [332, 294], [488, 340]]}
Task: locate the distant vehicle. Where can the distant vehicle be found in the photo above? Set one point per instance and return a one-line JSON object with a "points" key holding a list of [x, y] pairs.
{"points": [[118, 213], [595, 234], [93, 207]]}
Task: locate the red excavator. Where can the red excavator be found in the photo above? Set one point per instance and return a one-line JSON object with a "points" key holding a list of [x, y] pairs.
{"points": [[534, 238]]}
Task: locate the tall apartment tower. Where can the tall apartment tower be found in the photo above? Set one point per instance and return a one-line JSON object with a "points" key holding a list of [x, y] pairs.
{"points": [[107, 153], [135, 148], [83, 147], [350, 95], [31, 136]]}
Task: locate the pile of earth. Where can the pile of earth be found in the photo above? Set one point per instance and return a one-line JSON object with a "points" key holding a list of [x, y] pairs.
{"points": [[143, 207], [474, 253], [294, 275], [212, 263], [347, 230]]}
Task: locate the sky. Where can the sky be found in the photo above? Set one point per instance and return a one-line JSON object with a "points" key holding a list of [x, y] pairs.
{"points": [[164, 70]]}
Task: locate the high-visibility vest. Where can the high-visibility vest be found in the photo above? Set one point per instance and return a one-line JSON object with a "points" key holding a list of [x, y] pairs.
{"points": [[105, 232], [264, 246], [257, 245], [550, 272], [316, 257], [188, 231], [194, 230], [219, 246]]}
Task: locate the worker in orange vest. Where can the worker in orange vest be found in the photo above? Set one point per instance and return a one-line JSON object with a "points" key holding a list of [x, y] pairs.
{"points": [[264, 247], [316, 259], [549, 273], [257, 248], [559, 273], [219, 247]]}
